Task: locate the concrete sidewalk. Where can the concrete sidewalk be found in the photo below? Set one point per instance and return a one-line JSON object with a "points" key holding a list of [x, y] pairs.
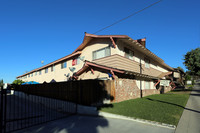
{"points": [[190, 119], [91, 124]]}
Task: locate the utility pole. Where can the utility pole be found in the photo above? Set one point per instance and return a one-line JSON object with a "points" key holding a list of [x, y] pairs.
{"points": [[140, 79]]}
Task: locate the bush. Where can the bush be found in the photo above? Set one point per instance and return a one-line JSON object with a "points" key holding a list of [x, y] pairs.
{"points": [[187, 77], [193, 82]]}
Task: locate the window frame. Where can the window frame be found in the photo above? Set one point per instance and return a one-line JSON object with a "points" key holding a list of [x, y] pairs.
{"points": [[52, 68], [64, 64], [76, 61], [46, 70], [105, 55], [149, 84], [127, 55], [40, 72]]}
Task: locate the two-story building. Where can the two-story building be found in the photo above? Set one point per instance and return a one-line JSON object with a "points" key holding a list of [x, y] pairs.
{"points": [[135, 69]]}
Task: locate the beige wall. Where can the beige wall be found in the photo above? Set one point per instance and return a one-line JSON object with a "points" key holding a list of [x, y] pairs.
{"points": [[95, 45], [57, 74], [95, 75]]}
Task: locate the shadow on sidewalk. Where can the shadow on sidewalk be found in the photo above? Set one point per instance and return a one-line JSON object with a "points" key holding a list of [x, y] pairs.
{"points": [[73, 124], [173, 104]]}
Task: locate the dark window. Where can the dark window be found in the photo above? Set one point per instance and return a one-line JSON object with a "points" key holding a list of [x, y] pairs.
{"points": [[46, 70], [52, 68], [128, 53], [63, 65]]}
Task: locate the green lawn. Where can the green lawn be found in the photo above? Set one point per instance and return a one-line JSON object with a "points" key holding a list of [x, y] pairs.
{"points": [[165, 108]]}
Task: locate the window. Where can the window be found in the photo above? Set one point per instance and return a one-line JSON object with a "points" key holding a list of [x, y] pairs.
{"points": [[52, 68], [101, 53], [147, 61], [63, 65], [147, 85], [35, 73], [46, 70], [31, 74], [128, 53], [40, 72], [76, 61]]}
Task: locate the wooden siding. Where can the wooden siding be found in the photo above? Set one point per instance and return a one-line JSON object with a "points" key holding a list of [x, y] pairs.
{"points": [[150, 71], [120, 62]]}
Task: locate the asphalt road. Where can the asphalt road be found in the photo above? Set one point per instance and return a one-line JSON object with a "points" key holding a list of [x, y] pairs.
{"points": [[90, 124], [190, 119]]}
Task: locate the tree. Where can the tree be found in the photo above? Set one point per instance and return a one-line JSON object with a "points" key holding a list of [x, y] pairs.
{"points": [[1, 82], [187, 77], [192, 61], [180, 68], [17, 82]]}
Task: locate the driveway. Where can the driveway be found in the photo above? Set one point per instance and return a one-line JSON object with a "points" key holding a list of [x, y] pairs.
{"points": [[190, 119], [90, 124]]}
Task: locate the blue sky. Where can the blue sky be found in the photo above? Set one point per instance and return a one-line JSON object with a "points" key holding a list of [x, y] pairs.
{"points": [[36, 30]]}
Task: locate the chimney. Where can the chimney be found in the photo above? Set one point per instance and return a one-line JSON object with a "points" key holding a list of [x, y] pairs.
{"points": [[142, 42]]}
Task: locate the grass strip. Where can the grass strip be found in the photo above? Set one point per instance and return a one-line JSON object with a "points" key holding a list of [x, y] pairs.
{"points": [[164, 108]]}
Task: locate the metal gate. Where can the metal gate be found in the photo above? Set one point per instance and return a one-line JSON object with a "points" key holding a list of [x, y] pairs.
{"points": [[20, 110]]}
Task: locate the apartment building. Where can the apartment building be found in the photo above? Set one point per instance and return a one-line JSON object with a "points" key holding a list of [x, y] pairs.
{"points": [[108, 57]]}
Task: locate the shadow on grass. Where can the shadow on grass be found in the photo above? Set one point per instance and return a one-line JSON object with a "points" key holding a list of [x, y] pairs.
{"points": [[105, 106], [195, 94], [173, 104], [180, 89]]}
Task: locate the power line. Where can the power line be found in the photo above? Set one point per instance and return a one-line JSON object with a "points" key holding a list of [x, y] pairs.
{"points": [[128, 16]]}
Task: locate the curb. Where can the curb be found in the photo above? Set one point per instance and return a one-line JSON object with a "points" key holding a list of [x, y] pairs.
{"points": [[159, 124]]}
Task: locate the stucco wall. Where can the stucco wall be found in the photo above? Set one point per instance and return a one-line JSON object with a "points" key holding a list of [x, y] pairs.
{"points": [[58, 74], [95, 75]]}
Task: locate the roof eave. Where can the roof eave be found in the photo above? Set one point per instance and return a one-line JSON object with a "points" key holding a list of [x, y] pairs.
{"points": [[88, 37]]}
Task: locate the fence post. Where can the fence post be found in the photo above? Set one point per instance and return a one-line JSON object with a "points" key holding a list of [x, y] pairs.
{"points": [[1, 112], [77, 96]]}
